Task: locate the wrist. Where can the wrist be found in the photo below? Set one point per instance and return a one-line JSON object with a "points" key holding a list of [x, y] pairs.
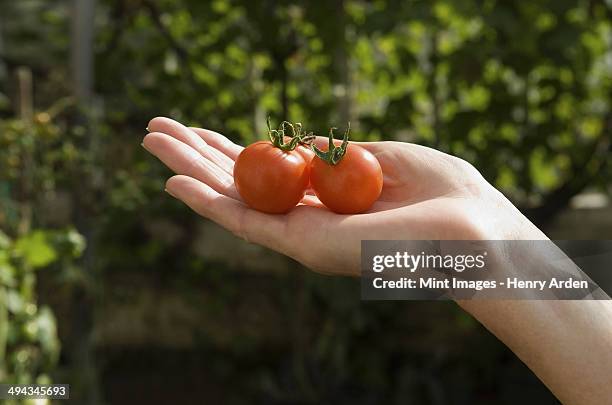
{"points": [[498, 219]]}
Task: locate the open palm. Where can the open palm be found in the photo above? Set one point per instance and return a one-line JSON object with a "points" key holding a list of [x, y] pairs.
{"points": [[426, 195]]}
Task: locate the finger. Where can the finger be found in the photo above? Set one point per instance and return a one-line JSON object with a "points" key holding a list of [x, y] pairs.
{"points": [[314, 236], [182, 133], [218, 141], [254, 226], [183, 159]]}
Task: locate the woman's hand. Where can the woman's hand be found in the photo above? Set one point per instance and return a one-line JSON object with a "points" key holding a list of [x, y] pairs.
{"points": [[426, 195]]}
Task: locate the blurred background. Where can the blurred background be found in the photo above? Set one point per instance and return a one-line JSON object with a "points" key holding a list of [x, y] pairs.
{"points": [[110, 285]]}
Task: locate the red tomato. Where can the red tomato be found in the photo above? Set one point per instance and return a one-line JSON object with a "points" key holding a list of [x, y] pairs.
{"points": [[352, 185], [269, 179]]}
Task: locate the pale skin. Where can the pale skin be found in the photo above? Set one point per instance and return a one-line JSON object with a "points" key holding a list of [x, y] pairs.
{"points": [[426, 195]]}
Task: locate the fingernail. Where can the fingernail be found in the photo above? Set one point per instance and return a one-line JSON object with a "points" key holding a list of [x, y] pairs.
{"points": [[144, 146], [168, 191], [147, 128]]}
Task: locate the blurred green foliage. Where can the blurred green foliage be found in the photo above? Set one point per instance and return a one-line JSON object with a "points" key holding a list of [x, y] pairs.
{"points": [[29, 346], [520, 89], [30, 154]]}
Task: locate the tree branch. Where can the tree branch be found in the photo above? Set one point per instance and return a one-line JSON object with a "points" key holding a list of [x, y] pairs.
{"points": [[155, 14]]}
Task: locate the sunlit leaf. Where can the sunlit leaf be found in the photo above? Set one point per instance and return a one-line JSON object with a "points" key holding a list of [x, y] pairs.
{"points": [[35, 249]]}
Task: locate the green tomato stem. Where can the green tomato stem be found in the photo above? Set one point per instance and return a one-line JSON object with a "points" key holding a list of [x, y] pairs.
{"points": [[334, 153], [277, 136]]}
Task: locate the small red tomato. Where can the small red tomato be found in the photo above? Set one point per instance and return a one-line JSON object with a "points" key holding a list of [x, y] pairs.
{"points": [[347, 179], [272, 176]]}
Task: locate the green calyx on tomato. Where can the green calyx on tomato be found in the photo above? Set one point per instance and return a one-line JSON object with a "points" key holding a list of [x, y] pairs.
{"points": [[334, 153], [272, 176], [296, 136], [347, 179]]}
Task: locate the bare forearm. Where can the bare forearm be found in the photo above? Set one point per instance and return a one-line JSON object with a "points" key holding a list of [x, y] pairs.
{"points": [[567, 344]]}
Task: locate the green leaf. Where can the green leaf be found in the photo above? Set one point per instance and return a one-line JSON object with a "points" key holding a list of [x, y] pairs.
{"points": [[5, 241], [7, 274], [47, 332], [35, 249], [14, 302]]}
